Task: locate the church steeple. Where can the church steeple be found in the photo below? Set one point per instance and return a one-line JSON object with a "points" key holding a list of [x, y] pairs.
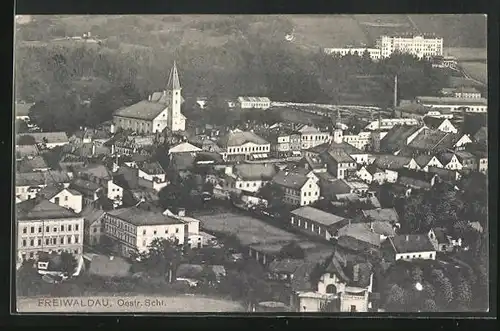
{"points": [[173, 79]]}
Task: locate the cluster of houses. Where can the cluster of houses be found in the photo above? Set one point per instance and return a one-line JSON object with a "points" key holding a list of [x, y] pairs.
{"points": [[101, 187]]}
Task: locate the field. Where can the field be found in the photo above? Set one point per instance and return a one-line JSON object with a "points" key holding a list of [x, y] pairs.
{"points": [[467, 54], [262, 236], [175, 304], [476, 70], [248, 229]]}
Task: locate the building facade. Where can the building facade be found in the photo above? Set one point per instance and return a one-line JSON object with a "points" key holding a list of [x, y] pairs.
{"points": [[254, 102], [419, 46], [374, 53]]}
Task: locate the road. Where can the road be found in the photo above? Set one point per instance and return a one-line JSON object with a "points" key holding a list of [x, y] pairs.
{"points": [[467, 76]]}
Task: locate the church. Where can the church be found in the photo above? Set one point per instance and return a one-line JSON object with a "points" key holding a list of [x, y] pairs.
{"points": [[161, 110]]}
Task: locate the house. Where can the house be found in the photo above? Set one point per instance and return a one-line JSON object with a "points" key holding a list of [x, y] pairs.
{"points": [[243, 145], [410, 246], [443, 125], [442, 242], [184, 147], [29, 184], [314, 163], [361, 232], [250, 177], [388, 123], [316, 221], [338, 146], [86, 136], [299, 189], [445, 175], [162, 110], [312, 136], [330, 186], [391, 164], [133, 229], [470, 105], [397, 138], [383, 221], [254, 102], [466, 93], [64, 197], [339, 163], [467, 159], [443, 113], [192, 236], [371, 173], [151, 175], [450, 161], [99, 175], [416, 179], [481, 160], [284, 142], [346, 280], [32, 164], [47, 227], [47, 140], [361, 140], [425, 161], [91, 192], [93, 226], [22, 110], [70, 161]]}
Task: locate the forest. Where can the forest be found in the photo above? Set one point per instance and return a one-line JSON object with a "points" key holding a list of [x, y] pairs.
{"points": [[82, 84]]}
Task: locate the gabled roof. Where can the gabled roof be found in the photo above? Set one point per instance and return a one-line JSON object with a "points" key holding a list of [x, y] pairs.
{"points": [[84, 186], [35, 209], [308, 129], [411, 243], [91, 214], [441, 236], [464, 155], [238, 138], [151, 168], [140, 217], [41, 178], [396, 137], [95, 170], [340, 156], [427, 139], [423, 159], [360, 231], [446, 157], [255, 171], [392, 162], [433, 122], [481, 135], [184, 147], [182, 161], [290, 179], [51, 191], [142, 110], [330, 188], [31, 163], [317, 215], [444, 174], [373, 169], [285, 266]]}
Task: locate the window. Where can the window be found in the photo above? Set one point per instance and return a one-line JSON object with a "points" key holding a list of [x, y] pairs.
{"points": [[66, 198], [31, 255], [24, 242], [62, 240], [144, 232], [32, 229], [55, 229], [62, 227], [46, 241], [353, 308], [154, 232], [176, 230], [68, 240], [166, 231], [39, 229], [144, 243], [76, 239], [32, 242], [39, 242], [25, 230]]}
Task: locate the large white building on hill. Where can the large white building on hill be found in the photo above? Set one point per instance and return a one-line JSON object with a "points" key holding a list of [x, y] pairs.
{"points": [[420, 46], [374, 53], [161, 110]]}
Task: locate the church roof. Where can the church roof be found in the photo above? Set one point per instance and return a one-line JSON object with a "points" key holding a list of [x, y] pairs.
{"points": [[143, 110], [173, 79]]}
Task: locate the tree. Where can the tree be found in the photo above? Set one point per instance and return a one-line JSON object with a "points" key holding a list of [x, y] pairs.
{"points": [[164, 256], [68, 263], [444, 286], [291, 251], [396, 299], [273, 193], [429, 305], [463, 295]]}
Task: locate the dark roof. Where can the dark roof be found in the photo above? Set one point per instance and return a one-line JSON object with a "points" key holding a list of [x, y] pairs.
{"points": [[361, 232], [423, 159], [355, 244], [285, 266], [317, 215], [441, 236], [182, 161], [464, 155], [373, 169], [396, 137], [37, 209], [41, 178], [330, 188], [427, 139], [340, 156], [126, 177], [52, 190], [255, 171], [313, 162], [453, 101], [84, 186], [91, 214], [392, 162], [239, 138], [151, 168], [411, 243], [433, 122], [173, 79], [481, 135], [290, 179], [140, 217], [143, 110], [415, 174], [95, 170], [31, 163], [301, 280]]}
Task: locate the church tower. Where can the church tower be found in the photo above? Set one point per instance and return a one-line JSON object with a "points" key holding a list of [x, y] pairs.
{"points": [[176, 121], [337, 128]]}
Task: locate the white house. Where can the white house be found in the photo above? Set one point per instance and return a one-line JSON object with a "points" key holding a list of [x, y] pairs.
{"points": [[389, 123], [411, 246], [450, 161], [250, 177], [299, 189], [361, 140], [64, 197], [443, 242], [425, 161], [420, 46], [184, 147], [152, 175], [311, 136], [133, 229], [317, 222], [371, 173], [254, 102], [470, 105], [29, 184], [373, 53], [244, 145]]}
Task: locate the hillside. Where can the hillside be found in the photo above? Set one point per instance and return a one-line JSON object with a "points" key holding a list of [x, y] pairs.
{"points": [[309, 31]]}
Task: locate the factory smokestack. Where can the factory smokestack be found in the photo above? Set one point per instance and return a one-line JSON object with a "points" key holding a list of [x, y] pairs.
{"points": [[395, 92]]}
